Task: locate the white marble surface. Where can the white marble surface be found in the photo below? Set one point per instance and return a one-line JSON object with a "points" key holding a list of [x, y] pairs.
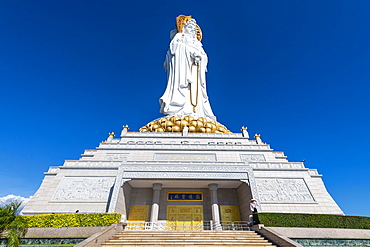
{"points": [[226, 158], [186, 65]]}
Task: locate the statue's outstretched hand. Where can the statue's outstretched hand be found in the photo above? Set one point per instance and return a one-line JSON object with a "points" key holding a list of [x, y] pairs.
{"points": [[196, 58], [189, 81]]}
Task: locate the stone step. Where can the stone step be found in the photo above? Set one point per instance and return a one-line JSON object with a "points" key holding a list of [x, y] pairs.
{"points": [[178, 233], [192, 238], [214, 243], [191, 244], [187, 231], [224, 243], [188, 235], [185, 237], [261, 240]]}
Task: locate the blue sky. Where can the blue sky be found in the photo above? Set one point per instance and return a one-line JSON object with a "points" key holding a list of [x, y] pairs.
{"points": [[297, 72]]}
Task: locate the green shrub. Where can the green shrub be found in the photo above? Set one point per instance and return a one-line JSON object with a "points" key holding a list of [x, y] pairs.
{"points": [[313, 220], [72, 219]]}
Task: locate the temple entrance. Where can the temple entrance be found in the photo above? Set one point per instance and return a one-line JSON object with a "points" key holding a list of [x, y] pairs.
{"points": [[185, 217]]}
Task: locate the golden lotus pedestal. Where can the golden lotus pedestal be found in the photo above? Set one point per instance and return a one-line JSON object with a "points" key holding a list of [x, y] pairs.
{"points": [[177, 124]]}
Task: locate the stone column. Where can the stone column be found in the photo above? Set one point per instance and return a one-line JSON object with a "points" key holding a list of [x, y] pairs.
{"points": [[118, 183], [253, 187], [155, 203], [214, 206], [122, 199]]}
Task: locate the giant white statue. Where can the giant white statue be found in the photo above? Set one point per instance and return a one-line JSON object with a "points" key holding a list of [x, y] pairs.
{"points": [[186, 65]]}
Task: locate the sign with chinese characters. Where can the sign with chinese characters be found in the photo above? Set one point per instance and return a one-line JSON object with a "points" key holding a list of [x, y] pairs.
{"points": [[186, 157], [184, 196]]}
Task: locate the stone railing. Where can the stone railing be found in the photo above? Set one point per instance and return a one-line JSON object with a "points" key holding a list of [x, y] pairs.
{"points": [[188, 225], [275, 237], [100, 237]]}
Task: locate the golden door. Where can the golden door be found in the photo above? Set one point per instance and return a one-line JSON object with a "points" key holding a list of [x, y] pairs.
{"points": [[229, 213], [139, 214], [185, 217]]}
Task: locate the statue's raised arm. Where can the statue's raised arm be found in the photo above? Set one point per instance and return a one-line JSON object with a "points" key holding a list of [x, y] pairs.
{"points": [[186, 65]]}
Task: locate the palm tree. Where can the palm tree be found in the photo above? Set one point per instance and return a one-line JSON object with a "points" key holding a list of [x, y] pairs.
{"points": [[12, 227]]}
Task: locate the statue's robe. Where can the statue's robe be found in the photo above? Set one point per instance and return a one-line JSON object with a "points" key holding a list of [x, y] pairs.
{"points": [[179, 60]]}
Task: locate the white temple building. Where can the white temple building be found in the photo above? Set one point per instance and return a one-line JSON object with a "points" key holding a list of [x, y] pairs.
{"points": [[184, 166]]}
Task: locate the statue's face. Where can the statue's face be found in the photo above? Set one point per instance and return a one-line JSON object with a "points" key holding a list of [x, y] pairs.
{"points": [[190, 28]]}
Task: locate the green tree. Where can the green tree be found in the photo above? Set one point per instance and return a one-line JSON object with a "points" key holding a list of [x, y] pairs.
{"points": [[12, 227]]}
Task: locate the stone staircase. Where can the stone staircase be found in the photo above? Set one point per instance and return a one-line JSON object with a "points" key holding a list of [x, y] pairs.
{"points": [[193, 238]]}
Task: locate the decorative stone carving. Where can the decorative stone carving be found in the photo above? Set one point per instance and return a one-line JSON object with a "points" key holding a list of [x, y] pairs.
{"points": [[277, 165], [258, 139], [84, 189], [93, 164], [185, 130], [116, 157], [124, 130], [281, 190], [110, 137], [252, 157], [186, 168], [245, 132], [186, 157], [192, 175]]}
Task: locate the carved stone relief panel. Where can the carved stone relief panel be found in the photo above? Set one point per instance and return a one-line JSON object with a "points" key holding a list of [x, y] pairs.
{"points": [[252, 157], [185, 168], [192, 175], [185, 157], [283, 190], [277, 165], [84, 189], [115, 157], [93, 164]]}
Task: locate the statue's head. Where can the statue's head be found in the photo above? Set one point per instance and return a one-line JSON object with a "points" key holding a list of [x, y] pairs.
{"points": [[188, 25]]}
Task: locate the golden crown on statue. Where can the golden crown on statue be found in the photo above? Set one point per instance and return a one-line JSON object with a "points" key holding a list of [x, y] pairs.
{"points": [[181, 21]]}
